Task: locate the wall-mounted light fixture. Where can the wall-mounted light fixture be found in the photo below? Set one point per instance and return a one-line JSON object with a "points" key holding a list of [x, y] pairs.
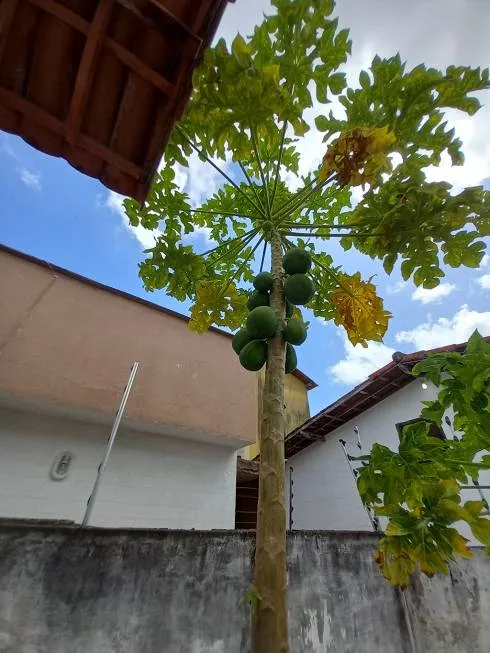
{"points": [[61, 466]]}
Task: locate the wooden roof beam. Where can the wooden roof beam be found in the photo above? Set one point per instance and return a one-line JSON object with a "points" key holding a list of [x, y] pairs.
{"points": [[87, 68], [125, 56], [310, 435], [176, 21], [7, 11], [45, 119]]}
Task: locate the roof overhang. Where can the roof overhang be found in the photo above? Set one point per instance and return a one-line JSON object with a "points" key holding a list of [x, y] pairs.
{"points": [[101, 83], [379, 385]]}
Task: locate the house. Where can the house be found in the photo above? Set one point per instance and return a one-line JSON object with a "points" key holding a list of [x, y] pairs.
{"points": [[321, 491], [67, 345]]}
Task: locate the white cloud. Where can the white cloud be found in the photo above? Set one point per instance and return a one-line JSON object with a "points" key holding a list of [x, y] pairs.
{"points": [[200, 180], [30, 179], [447, 331], [427, 296], [396, 288], [203, 232], [485, 261], [360, 361], [292, 181], [203, 180], [181, 176], [484, 281], [146, 237]]}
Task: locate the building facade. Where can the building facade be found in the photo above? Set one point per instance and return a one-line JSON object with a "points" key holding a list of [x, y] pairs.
{"points": [[321, 490], [67, 345]]}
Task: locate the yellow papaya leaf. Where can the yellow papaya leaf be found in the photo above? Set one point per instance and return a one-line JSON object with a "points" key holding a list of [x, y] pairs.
{"points": [[481, 530], [460, 544], [380, 139], [429, 561], [359, 309], [394, 530], [394, 561], [219, 303], [474, 508], [358, 155], [240, 48], [453, 510], [271, 73]]}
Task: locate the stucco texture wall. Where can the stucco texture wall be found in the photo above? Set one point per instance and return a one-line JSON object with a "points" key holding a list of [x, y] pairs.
{"points": [[151, 481], [72, 591], [70, 343]]}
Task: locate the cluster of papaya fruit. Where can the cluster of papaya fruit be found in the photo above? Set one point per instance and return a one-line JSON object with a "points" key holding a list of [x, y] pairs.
{"points": [[251, 341]]}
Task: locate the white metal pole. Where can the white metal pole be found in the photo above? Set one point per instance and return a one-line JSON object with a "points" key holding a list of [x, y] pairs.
{"points": [[112, 437]]}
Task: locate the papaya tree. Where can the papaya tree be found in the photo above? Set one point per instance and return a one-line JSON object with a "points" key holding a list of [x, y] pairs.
{"points": [[418, 488], [252, 105]]}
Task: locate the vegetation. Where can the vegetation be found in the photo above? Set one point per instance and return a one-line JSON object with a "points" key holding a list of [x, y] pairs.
{"points": [[251, 106], [418, 487]]}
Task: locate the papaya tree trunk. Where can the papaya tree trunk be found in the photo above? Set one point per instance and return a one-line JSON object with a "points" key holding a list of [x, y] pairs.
{"points": [[269, 621]]}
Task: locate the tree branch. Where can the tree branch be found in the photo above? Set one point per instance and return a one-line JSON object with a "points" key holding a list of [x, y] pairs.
{"points": [[218, 169], [244, 263], [302, 197], [309, 225], [261, 172], [252, 186], [227, 242], [235, 249], [279, 159], [263, 256], [328, 235], [327, 269], [225, 213], [294, 199]]}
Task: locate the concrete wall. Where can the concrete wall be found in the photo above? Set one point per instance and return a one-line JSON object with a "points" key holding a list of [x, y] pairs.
{"points": [[324, 492], [71, 591], [151, 480], [71, 343]]}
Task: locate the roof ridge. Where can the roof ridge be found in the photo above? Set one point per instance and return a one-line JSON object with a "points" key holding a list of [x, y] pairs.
{"points": [[377, 386]]}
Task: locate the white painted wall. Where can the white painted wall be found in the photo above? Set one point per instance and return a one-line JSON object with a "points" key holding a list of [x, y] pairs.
{"points": [[151, 480], [325, 495]]}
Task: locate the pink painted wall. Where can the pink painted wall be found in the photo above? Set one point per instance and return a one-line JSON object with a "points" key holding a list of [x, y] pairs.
{"points": [[68, 342]]}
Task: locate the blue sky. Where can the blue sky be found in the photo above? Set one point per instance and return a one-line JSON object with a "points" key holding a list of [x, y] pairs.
{"points": [[53, 212]]}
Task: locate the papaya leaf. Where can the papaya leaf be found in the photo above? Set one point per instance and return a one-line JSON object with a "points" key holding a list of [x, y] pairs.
{"points": [[248, 107], [358, 156], [359, 309], [481, 530], [220, 303], [418, 487]]}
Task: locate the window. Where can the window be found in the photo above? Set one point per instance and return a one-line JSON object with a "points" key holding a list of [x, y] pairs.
{"points": [[434, 430]]}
